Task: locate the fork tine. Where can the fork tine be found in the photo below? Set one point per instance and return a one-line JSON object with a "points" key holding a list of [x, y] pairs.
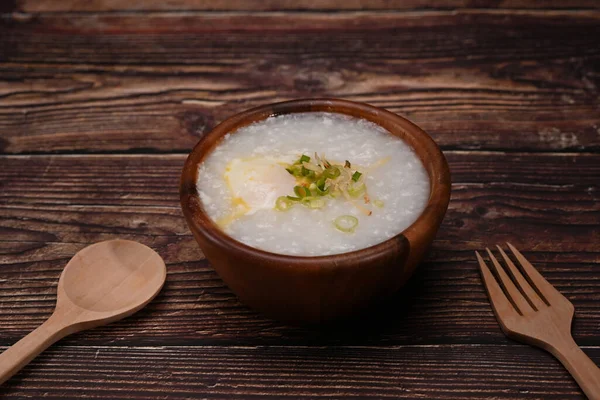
{"points": [[502, 307], [509, 287], [542, 287], [530, 295]]}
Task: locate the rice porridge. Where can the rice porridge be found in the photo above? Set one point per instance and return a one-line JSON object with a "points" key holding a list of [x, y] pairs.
{"points": [[312, 184]]}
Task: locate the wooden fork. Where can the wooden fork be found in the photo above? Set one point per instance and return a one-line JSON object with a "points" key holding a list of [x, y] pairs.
{"points": [[531, 310]]}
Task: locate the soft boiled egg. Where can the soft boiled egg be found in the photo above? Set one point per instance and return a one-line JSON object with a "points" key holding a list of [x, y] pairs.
{"points": [[256, 183]]}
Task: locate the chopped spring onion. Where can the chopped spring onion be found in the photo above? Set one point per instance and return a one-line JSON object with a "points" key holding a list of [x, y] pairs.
{"points": [[322, 192], [308, 173], [321, 183], [301, 191], [378, 203], [315, 189], [346, 223], [283, 203], [331, 172], [357, 190], [313, 202], [319, 178], [295, 170]]}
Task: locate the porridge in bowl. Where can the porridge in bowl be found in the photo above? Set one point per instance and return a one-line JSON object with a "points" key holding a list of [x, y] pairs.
{"points": [[312, 184]]}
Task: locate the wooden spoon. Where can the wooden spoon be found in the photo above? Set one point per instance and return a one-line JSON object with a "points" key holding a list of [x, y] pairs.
{"points": [[102, 283]]}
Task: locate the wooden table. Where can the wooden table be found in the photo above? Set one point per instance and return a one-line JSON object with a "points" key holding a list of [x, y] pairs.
{"points": [[100, 102]]}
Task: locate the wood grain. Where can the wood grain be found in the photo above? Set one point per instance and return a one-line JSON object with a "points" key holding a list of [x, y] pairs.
{"points": [[52, 206], [102, 283], [448, 372], [541, 319], [144, 77], [293, 5], [515, 81]]}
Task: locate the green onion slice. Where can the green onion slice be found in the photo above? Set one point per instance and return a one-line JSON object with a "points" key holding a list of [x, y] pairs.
{"points": [[320, 178], [313, 202], [295, 170], [283, 203], [378, 203], [331, 172], [357, 190], [308, 173], [346, 223], [321, 183], [321, 192], [301, 191]]}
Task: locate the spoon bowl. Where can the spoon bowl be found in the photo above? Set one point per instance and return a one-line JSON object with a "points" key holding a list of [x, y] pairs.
{"points": [[114, 278], [102, 283]]}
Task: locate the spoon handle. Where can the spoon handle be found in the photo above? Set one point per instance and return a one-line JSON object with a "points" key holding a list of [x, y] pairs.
{"points": [[26, 349]]}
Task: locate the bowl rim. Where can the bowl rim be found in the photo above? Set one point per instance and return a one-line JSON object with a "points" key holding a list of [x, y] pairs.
{"points": [[201, 224]]}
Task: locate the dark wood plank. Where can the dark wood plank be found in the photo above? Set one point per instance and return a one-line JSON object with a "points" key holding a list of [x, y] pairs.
{"points": [[52, 206], [411, 372], [267, 5], [154, 82], [518, 81]]}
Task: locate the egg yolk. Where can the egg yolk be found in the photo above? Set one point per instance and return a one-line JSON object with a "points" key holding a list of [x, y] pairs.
{"points": [[256, 183]]}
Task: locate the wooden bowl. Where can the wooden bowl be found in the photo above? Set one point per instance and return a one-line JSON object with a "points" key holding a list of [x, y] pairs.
{"points": [[324, 288]]}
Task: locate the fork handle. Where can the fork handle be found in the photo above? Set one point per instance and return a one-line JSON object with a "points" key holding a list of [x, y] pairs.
{"points": [[580, 366]]}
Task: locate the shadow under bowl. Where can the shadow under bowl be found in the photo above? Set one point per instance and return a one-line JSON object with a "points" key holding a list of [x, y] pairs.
{"points": [[324, 288]]}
